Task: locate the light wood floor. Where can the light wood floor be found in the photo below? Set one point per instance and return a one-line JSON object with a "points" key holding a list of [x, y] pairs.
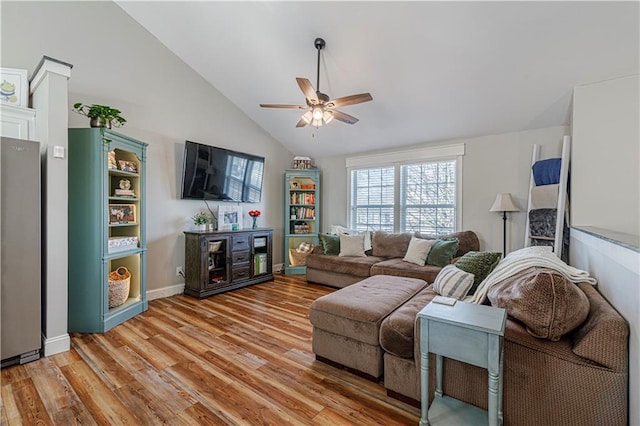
{"points": [[242, 357]]}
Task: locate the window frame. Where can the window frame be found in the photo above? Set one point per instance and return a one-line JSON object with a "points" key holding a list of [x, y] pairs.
{"points": [[400, 158]]}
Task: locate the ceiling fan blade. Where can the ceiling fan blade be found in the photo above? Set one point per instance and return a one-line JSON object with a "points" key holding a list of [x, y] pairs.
{"points": [[341, 116], [283, 106], [349, 100], [308, 90]]}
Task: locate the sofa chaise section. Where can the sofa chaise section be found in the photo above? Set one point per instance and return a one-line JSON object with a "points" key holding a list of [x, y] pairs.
{"points": [[346, 324]]}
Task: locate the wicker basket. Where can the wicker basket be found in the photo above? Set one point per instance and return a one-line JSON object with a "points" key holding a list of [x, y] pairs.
{"points": [[119, 281], [298, 259]]}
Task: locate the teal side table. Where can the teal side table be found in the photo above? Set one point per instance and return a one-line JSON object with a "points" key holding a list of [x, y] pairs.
{"points": [[469, 333]]}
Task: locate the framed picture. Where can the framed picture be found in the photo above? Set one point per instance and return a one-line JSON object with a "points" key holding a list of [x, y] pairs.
{"points": [[229, 218], [14, 87], [122, 213], [128, 166]]}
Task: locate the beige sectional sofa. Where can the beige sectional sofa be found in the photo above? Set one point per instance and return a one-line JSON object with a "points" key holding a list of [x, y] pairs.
{"points": [[387, 252]]}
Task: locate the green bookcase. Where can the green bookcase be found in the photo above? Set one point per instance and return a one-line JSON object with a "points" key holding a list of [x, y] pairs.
{"points": [[301, 216], [106, 227]]}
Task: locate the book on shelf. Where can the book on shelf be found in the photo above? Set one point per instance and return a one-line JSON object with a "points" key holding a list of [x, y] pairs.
{"points": [[125, 193], [303, 213], [303, 198]]}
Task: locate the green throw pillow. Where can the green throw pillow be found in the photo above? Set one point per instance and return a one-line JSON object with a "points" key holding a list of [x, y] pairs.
{"points": [[330, 244], [478, 263], [442, 251]]}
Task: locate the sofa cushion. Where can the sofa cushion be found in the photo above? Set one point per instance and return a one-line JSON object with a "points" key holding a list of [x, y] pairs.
{"points": [[386, 244], [357, 311], [358, 266], [468, 241], [546, 302], [453, 282], [418, 251], [351, 245], [330, 244], [399, 268], [442, 251], [480, 264], [396, 331]]}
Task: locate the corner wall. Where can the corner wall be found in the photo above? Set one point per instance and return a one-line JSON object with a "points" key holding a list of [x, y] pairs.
{"points": [[606, 155], [605, 197]]}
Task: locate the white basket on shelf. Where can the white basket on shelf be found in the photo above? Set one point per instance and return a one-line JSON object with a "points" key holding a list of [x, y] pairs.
{"points": [[119, 283]]}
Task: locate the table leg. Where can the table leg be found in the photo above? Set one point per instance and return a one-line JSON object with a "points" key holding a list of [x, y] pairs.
{"points": [[493, 368], [500, 382], [439, 375], [424, 388]]}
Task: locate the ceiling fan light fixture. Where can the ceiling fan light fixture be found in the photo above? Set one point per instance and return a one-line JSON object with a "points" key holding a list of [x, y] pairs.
{"points": [[307, 117], [317, 113], [327, 117]]}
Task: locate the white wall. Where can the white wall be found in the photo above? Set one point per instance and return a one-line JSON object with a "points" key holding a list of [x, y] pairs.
{"points": [[617, 270], [491, 164], [605, 193], [606, 155], [117, 63]]}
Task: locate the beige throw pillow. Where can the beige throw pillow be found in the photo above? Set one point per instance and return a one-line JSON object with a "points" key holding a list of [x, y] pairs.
{"points": [[418, 251], [352, 245]]}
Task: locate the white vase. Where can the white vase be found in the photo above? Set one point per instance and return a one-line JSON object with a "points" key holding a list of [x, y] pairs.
{"points": [[202, 227]]}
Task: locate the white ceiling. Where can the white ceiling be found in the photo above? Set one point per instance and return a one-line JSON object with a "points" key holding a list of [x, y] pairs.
{"points": [[436, 70]]}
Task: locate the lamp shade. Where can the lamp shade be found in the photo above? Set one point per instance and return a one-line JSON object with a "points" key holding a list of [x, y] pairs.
{"points": [[504, 203]]}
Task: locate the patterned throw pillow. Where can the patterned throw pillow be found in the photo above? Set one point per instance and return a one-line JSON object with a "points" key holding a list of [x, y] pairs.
{"points": [[453, 282], [480, 264], [330, 244], [442, 251]]}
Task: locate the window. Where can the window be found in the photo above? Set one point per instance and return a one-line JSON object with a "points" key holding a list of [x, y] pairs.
{"points": [[373, 199], [428, 197], [408, 195]]}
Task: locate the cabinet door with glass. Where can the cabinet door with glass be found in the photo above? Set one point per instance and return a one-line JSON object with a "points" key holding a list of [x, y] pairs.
{"points": [[302, 217]]}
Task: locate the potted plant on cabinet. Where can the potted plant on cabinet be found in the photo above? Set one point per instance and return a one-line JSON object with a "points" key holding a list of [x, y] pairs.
{"points": [[100, 115], [200, 219]]}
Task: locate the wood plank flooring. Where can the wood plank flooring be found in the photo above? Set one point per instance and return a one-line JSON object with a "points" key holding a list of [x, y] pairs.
{"points": [[242, 357]]}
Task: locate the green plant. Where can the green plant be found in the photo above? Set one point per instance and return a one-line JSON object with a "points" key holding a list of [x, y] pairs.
{"points": [[200, 218], [105, 114]]}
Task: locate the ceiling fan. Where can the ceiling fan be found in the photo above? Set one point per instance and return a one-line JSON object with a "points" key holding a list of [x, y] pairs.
{"points": [[320, 109]]}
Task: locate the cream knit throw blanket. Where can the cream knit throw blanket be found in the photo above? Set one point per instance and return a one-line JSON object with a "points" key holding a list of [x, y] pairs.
{"points": [[522, 259]]}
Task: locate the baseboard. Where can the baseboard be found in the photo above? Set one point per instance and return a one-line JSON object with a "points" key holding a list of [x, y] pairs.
{"points": [[278, 268], [55, 345], [171, 290]]}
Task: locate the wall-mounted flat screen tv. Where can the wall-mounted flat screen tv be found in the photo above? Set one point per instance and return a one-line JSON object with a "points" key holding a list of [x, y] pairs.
{"points": [[218, 174]]}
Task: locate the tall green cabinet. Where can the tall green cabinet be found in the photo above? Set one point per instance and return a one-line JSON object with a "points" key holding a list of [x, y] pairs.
{"points": [[302, 216], [106, 228]]}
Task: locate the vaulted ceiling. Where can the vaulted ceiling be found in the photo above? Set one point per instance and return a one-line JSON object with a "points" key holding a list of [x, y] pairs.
{"points": [[436, 70]]}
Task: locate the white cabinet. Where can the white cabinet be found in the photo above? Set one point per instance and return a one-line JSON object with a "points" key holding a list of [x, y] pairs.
{"points": [[17, 122]]}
